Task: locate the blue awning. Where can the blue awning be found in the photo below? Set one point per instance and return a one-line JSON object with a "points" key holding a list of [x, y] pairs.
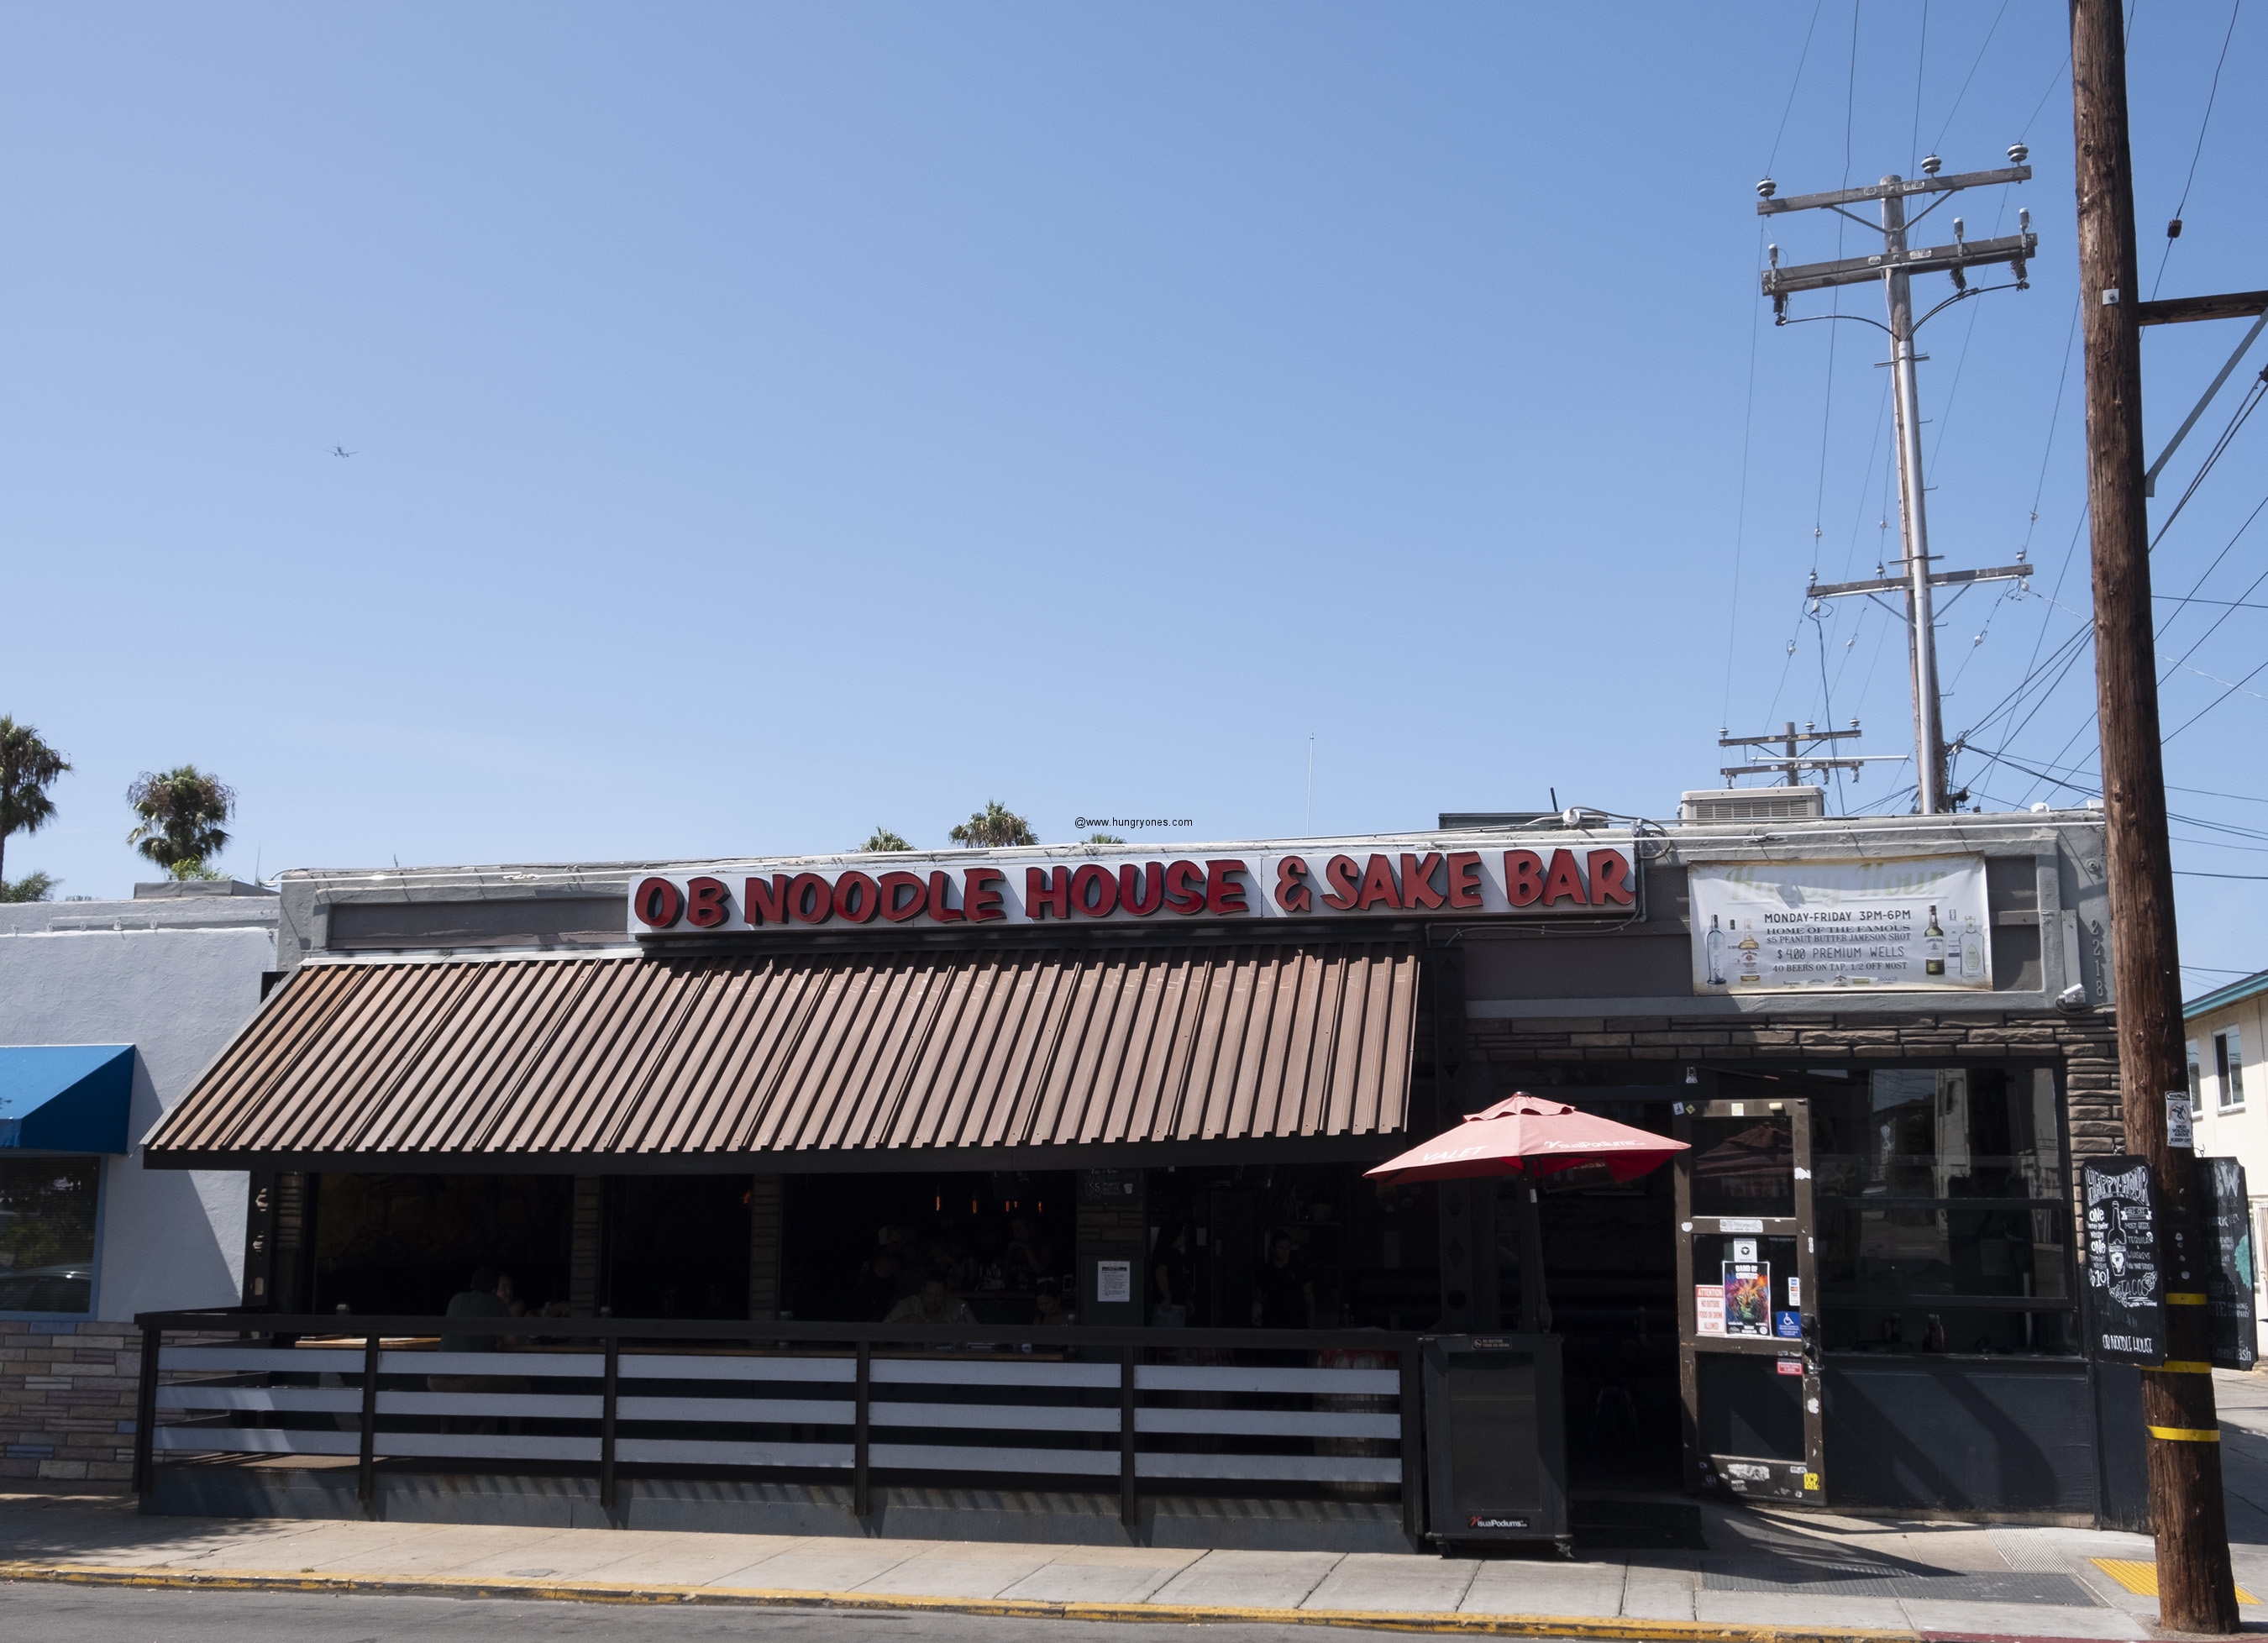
{"points": [[65, 1098]]}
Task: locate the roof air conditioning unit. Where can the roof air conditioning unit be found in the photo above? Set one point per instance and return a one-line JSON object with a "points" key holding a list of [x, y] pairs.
{"points": [[1753, 804]]}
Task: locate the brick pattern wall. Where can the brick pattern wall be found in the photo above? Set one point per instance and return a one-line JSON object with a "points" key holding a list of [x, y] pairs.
{"points": [[67, 1406]]}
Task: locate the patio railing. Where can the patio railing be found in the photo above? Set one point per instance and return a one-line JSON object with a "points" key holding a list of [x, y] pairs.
{"points": [[1268, 1411]]}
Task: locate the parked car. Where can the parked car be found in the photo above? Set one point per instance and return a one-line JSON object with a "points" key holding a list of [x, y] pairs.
{"points": [[49, 1289]]}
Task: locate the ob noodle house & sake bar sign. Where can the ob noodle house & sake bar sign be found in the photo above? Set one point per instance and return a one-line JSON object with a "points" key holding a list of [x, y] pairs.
{"points": [[1920, 923], [1586, 881]]}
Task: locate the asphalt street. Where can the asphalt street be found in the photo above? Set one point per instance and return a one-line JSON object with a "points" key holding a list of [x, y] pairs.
{"points": [[64, 1614]]}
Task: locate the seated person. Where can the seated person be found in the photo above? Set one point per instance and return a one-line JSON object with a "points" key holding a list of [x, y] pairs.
{"points": [[1050, 1309], [934, 1304], [489, 1296]]}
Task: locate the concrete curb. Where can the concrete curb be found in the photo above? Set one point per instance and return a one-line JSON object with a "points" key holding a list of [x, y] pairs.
{"points": [[1178, 1614]]}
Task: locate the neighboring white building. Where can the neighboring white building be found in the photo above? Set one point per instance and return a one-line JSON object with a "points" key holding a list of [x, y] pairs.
{"points": [[108, 1011], [2227, 1033]]}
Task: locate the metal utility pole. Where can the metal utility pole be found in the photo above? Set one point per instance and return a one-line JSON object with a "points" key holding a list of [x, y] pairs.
{"points": [[1794, 761], [2196, 1588], [1896, 266], [1921, 621]]}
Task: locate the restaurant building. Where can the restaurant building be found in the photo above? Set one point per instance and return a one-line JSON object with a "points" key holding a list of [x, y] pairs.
{"points": [[108, 1011], [786, 1092]]}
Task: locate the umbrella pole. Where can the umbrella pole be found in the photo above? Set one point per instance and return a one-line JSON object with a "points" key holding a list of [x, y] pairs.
{"points": [[1535, 1308]]}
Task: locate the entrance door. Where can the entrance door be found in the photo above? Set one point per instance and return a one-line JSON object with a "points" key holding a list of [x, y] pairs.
{"points": [[1747, 1300]]}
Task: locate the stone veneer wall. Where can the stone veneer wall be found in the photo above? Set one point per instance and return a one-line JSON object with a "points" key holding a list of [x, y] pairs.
{"points": [[67, 1395], [2087, 1045]]}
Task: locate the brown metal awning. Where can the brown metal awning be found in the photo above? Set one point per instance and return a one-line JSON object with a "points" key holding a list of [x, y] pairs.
{"points": [[1000, 1058]]}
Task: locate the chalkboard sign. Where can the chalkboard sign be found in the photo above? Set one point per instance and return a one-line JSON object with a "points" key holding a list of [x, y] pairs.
{"points": [[2127, 1315], [2227, 1218]]}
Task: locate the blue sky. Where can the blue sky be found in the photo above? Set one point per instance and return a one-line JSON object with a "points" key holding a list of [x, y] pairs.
{"points": [[770, 421]]}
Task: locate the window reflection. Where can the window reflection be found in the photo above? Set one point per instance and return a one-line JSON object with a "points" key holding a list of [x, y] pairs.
{"points": [[1744, 1165], [1941, 1213], [47, 1234], [1943, 1133]]}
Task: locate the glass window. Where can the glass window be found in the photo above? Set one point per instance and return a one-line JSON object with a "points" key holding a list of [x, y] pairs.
{"points": [[1943, 1133], [2228, 1067], [47, 1234], [1745, 1166], [2197, 1081], [1940, 1211]]}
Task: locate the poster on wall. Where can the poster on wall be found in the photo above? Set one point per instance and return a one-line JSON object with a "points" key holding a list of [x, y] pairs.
{"points": [[2229, 1286], [1747, 1297], [1914, 923], [2127, 1312]]}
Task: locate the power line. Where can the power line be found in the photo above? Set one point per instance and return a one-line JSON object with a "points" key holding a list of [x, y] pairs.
{"points": [[1921, 60], [2215, 702], [2173, 227], [2055, 416], [1973, 67], [2033, 118], [2199, 642], [2237, 419], [1740, 509], [1796, 85]]}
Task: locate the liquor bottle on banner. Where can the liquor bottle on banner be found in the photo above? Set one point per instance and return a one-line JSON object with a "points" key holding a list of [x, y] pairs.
{"points": [[1748, 950], [1972, 949], [1953, 941], [1932, 947], [1716, 953]]}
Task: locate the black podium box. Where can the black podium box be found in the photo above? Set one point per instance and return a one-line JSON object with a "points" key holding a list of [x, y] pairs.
{"points": [[1496, 1446]]}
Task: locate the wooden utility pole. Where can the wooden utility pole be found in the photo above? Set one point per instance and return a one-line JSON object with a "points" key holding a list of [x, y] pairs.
{"points": [[2196, 1590]]}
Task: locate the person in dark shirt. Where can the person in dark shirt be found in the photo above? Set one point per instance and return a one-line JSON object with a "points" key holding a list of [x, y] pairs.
{"points": [[1284, 1296], [1169, 1278], [881, 1283], [489, 1296]]}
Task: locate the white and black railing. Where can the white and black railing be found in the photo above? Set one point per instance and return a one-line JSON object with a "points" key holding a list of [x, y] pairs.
{"points": [[1274, 1412]]}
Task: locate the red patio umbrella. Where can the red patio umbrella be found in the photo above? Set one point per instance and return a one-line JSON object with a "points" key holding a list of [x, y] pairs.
{"points": [[1523, 1135]]}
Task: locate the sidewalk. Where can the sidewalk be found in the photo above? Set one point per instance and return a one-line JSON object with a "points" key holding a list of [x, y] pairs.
{"points": [[1783, 1575]]}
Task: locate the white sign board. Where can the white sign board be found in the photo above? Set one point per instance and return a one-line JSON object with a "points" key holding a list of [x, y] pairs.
{"points": [[1918, 923], [1114, 1280]]}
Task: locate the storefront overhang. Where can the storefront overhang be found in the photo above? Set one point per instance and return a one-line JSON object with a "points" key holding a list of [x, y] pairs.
{"points": [[65, 1098], [1008, 1056]]}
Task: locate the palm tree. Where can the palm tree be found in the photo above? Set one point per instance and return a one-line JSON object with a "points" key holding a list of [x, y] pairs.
{"points": [[32, 887], [883, 841], [1104, 838], [28, 768], [181, 812], [993, 827]]}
